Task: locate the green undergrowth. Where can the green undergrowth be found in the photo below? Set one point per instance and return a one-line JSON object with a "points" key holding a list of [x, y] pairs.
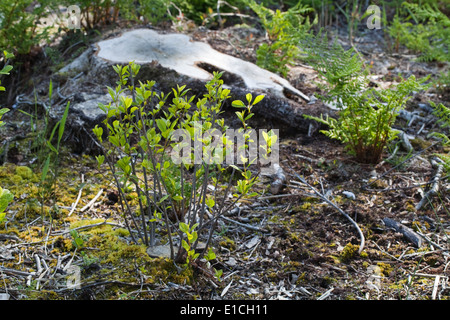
{"points": [[104, 252], [110, 247]]}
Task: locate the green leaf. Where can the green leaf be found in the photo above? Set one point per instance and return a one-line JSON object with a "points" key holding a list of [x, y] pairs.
{"points": [[258, 99], [112, 93], [166, 164], [124, 164], [5, 198], [240, 115], [177, 198], [126, 101], [51, 147], [50, 90], [218, 273], [210, 202], [8, 55], [98, 131], [114, 140], [45, 169], [184, 227], [265, 135], [194, 236], [248, 96], [62, 124], [3, 111], [210, 255], [163, 198], [100, 159], [238, 104], [161, 123], [249, 116], [6, 69], [185, 245]]}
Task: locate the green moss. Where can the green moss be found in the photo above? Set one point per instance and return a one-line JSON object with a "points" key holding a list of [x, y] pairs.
{"points": [[420, 227], [24, 172], [86, 222], [272, 275], [385, 268], [350, 252], [228, 243], [327, 281], [294, 236], [420, 144], [432, 260], [43, 295], [378, 183], [409, 206], [16, 179], [275, 219], [306, 206]]}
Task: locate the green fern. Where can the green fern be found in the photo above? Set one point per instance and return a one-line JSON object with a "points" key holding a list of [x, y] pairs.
{"points": [[342, 70], [443, 115], [425, 30], [442, 83], [284, 32], [366, 115]]}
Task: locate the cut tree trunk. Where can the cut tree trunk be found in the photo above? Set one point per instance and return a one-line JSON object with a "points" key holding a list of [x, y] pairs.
{"points": [[173, 60]]}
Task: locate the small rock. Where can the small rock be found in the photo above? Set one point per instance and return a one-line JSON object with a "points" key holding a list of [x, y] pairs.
{"points": [[231, 262], [349, 195], [161, 251], [78, 65], [252, 242], [88, 108]]}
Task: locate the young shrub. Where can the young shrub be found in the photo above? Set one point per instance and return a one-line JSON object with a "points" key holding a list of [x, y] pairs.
{"points": [[101, 12], [95, 13], [166, 150], [19, 31], [284, 31], [5, 198]]}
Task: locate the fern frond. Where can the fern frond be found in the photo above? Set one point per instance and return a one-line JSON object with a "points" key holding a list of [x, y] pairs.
{"points": [[342, 69], [426, 12], [284, 31], [443, 113], [429, 35]]}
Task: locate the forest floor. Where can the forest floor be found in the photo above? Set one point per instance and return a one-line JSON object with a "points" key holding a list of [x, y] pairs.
{"points": [[292, 245]]}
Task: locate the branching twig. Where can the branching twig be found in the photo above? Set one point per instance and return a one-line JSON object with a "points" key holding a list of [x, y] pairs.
{"points": [[243, 224]]}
